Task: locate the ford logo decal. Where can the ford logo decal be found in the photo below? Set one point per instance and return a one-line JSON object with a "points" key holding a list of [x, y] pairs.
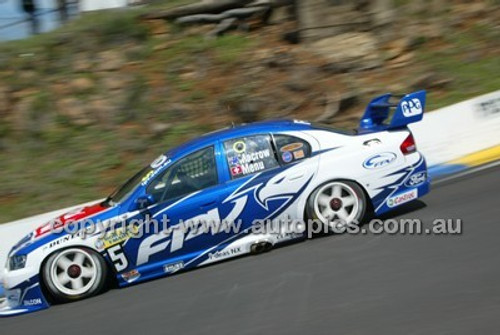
{"points": [[416, 179], [379, 160]]}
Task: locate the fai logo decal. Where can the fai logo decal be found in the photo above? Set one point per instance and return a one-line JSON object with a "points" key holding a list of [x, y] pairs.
{"points": [[253, 200], [379, 160], [411, 107]]}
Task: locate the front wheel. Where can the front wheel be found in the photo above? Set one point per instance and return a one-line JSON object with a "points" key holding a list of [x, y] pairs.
{"points": [[337, 204], [74, 274]]}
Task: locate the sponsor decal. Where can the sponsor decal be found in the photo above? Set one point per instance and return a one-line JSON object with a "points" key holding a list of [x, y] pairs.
{"points": [[61, 221], [298, 154], [372, 142], [287, 157], [234, 160], [287, 236], [13, 296], [116, 236], [147, 177], [62, 240], [252, 167], [73, 213], [489, 108], [239, 147], [159, 162], [416, 179], [99, 244], [153, 173], [131, 276], [379, 160], [292, 147], [254, 156], [236, 170], [225, 253], [250, 162], [402, 198], [411, 107], [32, 302], [173, 267]]}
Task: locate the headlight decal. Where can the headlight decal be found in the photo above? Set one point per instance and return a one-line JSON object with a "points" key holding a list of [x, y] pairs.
{"points": [[17, 262]]}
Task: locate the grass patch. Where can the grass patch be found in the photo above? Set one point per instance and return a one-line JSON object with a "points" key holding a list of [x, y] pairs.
{"points": [[474, 71], [111, 27], [230, 48], [225, 49]]}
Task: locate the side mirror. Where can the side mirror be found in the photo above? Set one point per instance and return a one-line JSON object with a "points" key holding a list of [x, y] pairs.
{"points": [[142, 202]]}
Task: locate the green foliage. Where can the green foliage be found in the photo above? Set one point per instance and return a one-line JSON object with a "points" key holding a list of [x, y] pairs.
{"points": [[229, 48], [135, 103], [196, 95], [4, 129], [42, 105], [467, 62], [226, 49], [113, 27]]}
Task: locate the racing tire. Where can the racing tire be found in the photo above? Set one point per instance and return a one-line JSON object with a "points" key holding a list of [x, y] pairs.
{"points": [[74, 274], [337, 205]]}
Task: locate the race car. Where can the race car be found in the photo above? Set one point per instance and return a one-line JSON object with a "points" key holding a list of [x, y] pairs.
{"points": [[223, 195]]}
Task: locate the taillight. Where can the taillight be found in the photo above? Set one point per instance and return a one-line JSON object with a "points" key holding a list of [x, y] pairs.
{"points": [[408, 146]]}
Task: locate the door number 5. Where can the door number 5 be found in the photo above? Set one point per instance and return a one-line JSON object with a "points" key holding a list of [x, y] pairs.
{"points": [[118, 258]]}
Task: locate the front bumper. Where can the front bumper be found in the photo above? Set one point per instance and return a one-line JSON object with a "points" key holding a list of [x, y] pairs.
{"points": [[23, 298]]}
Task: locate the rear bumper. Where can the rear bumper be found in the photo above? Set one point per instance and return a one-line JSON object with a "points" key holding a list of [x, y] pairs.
{"points": [[414, 184]]}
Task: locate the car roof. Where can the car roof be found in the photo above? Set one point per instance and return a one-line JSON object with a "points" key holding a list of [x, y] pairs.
{"points": [[236, 131]]}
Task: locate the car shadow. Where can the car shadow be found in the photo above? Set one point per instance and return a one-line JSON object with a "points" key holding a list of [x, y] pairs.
{"points": [[403, 210]]}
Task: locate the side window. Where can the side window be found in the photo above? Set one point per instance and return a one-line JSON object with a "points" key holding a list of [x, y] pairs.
{"points": [[194, 172], [291, 149], [248, 155]]}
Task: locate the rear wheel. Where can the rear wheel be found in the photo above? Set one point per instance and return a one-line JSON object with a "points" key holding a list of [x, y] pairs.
{"points": [[74, 274], [338, 204]]}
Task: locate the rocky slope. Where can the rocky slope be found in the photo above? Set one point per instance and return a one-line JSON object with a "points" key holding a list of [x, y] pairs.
{"points": [[85, 106]]}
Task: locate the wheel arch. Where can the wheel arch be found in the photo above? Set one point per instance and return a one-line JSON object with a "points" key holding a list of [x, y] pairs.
{"points": [[46, 257]]}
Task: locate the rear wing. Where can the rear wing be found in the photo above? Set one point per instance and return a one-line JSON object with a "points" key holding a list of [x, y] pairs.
{"points": [[383, 113]]}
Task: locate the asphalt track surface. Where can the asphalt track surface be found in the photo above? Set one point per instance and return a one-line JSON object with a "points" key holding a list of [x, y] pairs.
{"points": [[344, 284]]}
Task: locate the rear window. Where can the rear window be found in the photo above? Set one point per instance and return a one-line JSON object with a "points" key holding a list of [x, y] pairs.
{"points": [[291, 149]]}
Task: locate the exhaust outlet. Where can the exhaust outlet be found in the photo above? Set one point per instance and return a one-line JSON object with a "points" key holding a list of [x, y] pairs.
{"points": [[260, 247]]}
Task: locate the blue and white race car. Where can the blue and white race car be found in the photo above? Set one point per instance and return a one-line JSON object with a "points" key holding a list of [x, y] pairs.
{"points": [[232, 192]]}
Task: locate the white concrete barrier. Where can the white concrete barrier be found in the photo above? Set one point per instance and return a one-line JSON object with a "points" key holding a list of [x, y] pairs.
{"points": [[90, 5], [458, 130]]}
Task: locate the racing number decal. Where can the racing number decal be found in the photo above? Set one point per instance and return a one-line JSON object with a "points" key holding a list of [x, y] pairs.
{"points": [[118, 257]]}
